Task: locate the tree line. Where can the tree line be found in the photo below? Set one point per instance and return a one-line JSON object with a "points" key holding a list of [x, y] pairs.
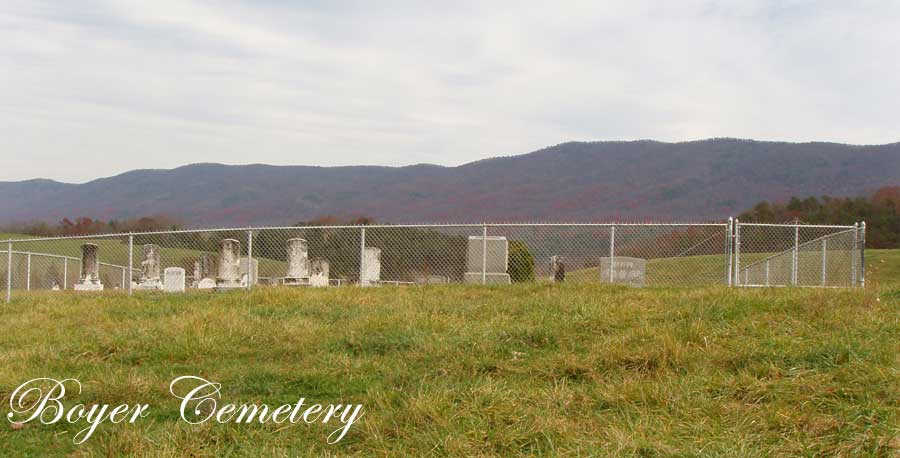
{"points": [[880, 211], [89, 226]]}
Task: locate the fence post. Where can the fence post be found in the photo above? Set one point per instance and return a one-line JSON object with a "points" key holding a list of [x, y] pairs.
{"points": [[729, 233], [612, 254], [130, 262], [65, 273], [824, 260], [28, 272], [737, 252], [484, 254], [853, 252], [250, 261], [9, 248], [795, 255], [862, 255], [362, 253], [767, 272]]}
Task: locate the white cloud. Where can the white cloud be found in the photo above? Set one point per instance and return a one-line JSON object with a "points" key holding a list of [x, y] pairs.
{"points": [[96, 88]]}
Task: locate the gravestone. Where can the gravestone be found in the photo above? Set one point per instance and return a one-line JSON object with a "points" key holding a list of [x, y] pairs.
{"points": [[90, 269], [173, 280], [626, 270], [490, 254], [206, 283], [150, 278], [298, 263], [318, 272], [229, 268], [557, 269], [204, 267], [195, 279], [249, 271], [371, 268]]}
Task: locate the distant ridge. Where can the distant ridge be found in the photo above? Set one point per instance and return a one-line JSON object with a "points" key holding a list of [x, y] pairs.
{"points": [[574, 181]]}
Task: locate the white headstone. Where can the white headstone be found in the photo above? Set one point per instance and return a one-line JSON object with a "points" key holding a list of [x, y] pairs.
{"points": [[206, 283], [318, 272], [298, 263], [249, 271], [371, 268], [173, 280]]}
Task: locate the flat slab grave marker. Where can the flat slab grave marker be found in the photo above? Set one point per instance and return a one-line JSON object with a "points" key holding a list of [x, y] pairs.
{"points": [[494, 256], [627, 271]]}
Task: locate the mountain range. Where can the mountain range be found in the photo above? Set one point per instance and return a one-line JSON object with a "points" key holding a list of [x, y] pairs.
{"points": [[575, 181]]}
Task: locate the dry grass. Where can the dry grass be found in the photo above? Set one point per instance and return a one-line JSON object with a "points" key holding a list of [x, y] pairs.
{"points": [[529, 369]]}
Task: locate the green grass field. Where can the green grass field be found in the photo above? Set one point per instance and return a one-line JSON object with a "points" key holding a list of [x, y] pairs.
{"points": [[527, 369]]}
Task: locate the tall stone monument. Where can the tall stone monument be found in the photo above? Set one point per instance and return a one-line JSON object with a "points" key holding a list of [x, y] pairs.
{"points": [[298, 263], [150, 265], [371, 267], [90, 269], [229, 268], [557, 269]]}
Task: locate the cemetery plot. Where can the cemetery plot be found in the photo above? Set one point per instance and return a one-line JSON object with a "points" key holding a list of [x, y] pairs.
{"points": [[638, 255]]}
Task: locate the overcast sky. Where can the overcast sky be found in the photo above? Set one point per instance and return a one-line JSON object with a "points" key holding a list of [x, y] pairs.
{"points": [[94, 88]]}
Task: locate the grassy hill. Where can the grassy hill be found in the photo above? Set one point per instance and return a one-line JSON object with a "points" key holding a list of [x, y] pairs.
{"points": [[526, 369]]}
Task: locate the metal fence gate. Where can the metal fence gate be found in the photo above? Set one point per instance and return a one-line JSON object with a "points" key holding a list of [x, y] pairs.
{"points": [[799, 255], [730, 253]]}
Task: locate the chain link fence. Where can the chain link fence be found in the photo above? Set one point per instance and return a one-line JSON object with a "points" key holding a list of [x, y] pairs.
{"points": [[652, 255], [799, 255]]}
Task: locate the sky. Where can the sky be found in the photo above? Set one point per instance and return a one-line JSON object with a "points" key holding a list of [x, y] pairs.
{"points": [[93, 88]]}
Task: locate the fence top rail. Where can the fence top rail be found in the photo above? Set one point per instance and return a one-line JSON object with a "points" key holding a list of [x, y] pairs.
{"points": [[791, 249], [371, 226], [811, 226], [59, 256], [415, 226]]}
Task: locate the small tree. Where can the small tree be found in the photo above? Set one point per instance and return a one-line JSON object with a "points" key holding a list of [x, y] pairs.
{"points": [[521, 263]]}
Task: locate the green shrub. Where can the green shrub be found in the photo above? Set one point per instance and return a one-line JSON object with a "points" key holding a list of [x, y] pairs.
{"points": [[521, 263]]}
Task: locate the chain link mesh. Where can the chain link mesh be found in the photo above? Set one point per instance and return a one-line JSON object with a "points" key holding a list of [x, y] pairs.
{"points": [[668, 255], [814, 256]]}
